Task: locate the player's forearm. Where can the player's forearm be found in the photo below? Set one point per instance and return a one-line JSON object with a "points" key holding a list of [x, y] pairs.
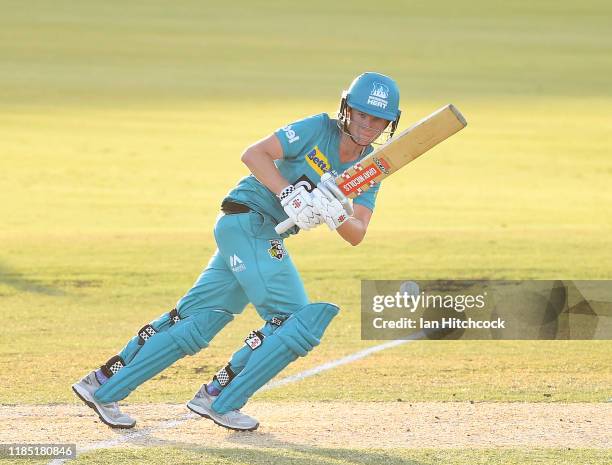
{"points": [[263, 168], [352, 231]]}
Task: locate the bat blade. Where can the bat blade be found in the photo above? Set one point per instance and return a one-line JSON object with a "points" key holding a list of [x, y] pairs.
{"points": [[401, 150], [396, 153]]}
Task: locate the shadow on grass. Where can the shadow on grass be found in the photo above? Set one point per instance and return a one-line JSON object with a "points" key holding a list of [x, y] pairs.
{"points": [[22, 283], [254, 448], [290, 454]]}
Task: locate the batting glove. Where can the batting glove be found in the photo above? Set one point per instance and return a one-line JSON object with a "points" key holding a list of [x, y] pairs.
{"points": [[329, 187], [298, 204], [329, 208]]}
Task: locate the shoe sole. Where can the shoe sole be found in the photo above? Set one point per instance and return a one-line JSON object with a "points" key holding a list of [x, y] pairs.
{"points": [[205, 415], [92, 405]]}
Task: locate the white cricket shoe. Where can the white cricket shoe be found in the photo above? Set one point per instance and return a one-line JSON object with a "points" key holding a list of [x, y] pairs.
{"points": [[108, 413], [236, 420]]}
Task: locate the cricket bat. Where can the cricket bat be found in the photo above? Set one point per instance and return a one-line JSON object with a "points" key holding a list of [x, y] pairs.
{"points": [[395, 154]]}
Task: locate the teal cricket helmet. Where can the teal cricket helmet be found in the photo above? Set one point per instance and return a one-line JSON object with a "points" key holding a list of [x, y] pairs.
{"points": [[374, 94]]}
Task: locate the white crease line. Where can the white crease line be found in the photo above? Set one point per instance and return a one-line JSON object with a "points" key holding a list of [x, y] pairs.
{"points": [[341, 361], [271, 385]]}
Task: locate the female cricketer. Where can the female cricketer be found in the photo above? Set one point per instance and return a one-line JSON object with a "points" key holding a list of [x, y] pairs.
{"points": [[252, 265]]}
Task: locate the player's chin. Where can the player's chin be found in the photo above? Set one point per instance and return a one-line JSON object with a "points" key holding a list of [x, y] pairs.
{"points": [[365, 139]]}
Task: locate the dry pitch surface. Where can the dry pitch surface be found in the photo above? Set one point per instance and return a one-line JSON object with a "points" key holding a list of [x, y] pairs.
{"points": [[352, 425]]}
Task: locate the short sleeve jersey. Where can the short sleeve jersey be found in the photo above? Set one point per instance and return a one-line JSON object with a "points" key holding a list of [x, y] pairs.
{"points": [[310, 148]]}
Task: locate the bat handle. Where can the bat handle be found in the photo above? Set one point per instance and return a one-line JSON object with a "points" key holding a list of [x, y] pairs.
{"points": [[284, 226]]}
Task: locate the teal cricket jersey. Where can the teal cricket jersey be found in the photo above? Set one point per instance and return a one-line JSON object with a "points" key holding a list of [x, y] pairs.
{"points": [[310, 148]]}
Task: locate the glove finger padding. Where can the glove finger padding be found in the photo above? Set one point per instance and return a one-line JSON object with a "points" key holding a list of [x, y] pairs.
{"points": [[331, 190], [331, 211], [308, 218], [298, 204]]}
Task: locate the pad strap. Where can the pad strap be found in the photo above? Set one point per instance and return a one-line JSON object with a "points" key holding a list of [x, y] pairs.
{"points": [[254, 339], [113, 365], [224, 376], [146, 332], [174, 316]]}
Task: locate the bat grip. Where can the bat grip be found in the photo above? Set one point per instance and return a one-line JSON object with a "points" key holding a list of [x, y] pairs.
{"points": [[284, 226]]}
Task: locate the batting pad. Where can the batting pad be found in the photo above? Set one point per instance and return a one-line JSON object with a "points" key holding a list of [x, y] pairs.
{"points": [[164, 322], [295, 338], [161, 350]]}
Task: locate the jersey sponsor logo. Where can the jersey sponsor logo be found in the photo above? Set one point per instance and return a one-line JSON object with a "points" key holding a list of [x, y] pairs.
{"points": [[355, 182], [318, 161], [291, 134], [236, 264], [379, 95], [276, 250]]}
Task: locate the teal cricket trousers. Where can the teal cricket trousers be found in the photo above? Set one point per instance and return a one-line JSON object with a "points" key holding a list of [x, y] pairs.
{"points": [[250, 265]]}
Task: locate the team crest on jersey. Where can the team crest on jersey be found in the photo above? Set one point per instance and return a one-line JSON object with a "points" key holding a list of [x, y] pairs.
{"points": [[379, 95], [276, 249], [318, 161]]}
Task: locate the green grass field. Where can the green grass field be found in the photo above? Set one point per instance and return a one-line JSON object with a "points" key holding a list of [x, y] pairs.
{"points": [[121, 128]]}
